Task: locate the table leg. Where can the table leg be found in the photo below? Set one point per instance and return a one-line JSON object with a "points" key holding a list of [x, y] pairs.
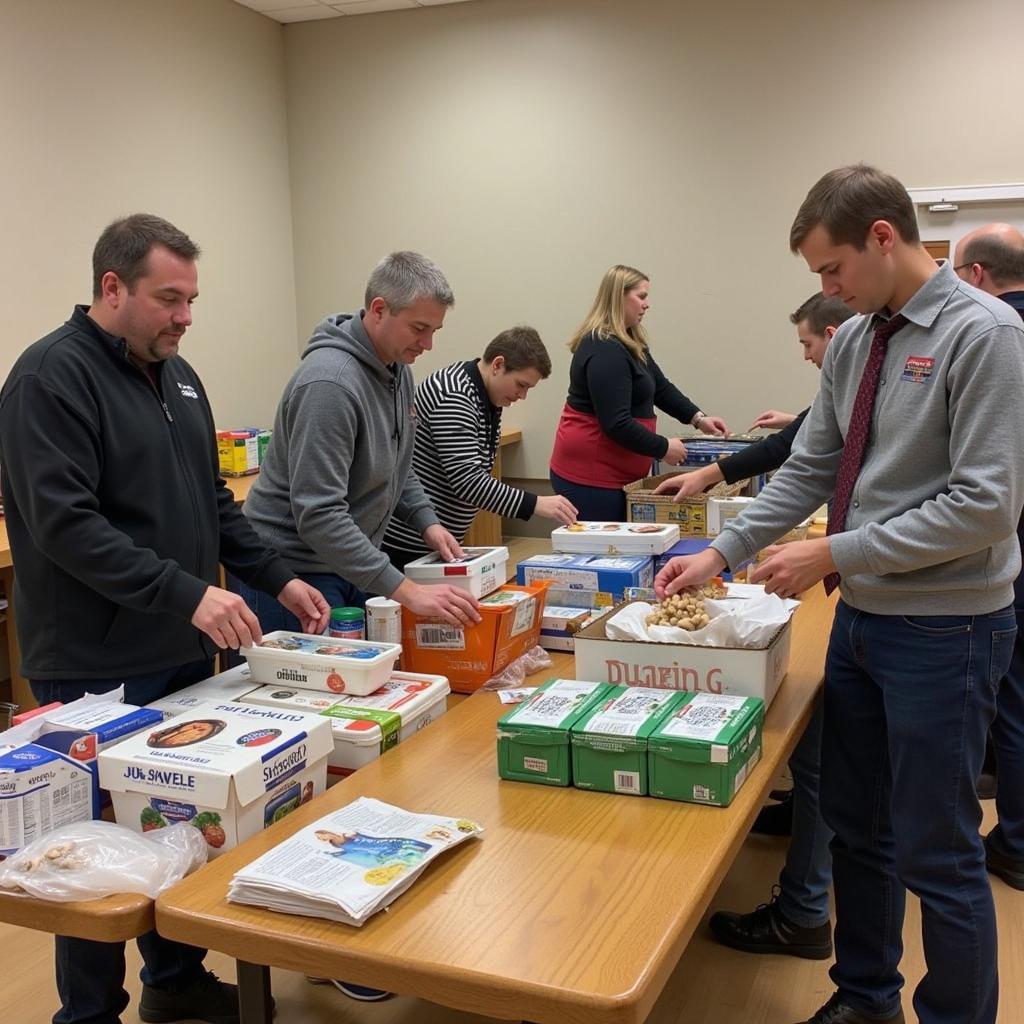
{"points": [[254, 1003]]}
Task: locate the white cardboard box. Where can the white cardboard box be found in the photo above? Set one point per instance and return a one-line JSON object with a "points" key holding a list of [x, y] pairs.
{"points": [[222, 688], [480, 572], [322, 662], [40, 790], [721, 510], [591, 538], [229, 769], [733, 670], [364, 727]]}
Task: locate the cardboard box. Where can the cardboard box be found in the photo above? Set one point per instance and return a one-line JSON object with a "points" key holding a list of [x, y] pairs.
{"points": [[742, 671], [321, 662], [364, 727], [609, 741], [721, 510], [702, 451], [222, 688], [705, 747], [592, 538], [41, 790], [229, 769], [238, 452], [533, 737], [480, 572], [690, 515], [593, 573], [469, 655]]}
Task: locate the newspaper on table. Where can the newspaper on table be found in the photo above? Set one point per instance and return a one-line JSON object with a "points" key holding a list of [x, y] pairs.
{"points": [[349, 864]]}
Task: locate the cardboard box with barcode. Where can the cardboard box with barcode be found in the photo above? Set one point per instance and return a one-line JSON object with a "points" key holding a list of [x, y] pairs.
{"points": [[742, 671], [705, 748], [690, 514], [533, 737], [364, 727], [322, 662], [479, 572], [41, 790], [600, 538], [611, 573], [609, 741], [229, 769], [469, 655]]}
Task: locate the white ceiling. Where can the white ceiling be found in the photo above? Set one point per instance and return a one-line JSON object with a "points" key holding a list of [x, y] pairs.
{"points": [[286, 11]]}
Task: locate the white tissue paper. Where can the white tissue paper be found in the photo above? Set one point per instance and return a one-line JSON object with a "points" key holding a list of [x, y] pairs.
{"points": [[748, 617]]}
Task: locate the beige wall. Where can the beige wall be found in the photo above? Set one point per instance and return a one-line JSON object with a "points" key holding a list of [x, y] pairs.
{"points": [[172, 106], [528, 144]]}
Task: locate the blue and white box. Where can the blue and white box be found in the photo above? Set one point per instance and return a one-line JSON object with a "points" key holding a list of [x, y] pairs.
{"points": [[610, 573]]}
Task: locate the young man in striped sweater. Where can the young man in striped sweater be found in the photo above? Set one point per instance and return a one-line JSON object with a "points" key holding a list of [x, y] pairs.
{"points": [[458, 416]]}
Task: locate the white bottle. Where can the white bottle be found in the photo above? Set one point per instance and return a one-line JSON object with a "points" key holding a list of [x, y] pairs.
{"points": [[383, 620]]}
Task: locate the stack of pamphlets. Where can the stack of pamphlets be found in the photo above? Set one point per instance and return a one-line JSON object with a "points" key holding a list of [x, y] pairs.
{"points": [[349, 864]]}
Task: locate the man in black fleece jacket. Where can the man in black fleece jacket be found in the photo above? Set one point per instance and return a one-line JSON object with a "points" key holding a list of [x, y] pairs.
{"points": [[117, 518]]}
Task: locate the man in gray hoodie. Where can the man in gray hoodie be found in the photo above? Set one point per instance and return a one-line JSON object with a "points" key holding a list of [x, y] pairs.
{"points": [[916, 431], [339, 464]]}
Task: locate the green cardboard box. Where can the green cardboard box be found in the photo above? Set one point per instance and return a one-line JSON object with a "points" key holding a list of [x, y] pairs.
{"points": [[609, 742], [533, 737], [704, 748]]}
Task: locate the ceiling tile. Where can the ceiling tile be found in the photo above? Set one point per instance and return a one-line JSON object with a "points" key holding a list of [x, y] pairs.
{"points": [[315, 12], [265, 6], [371, 6]]}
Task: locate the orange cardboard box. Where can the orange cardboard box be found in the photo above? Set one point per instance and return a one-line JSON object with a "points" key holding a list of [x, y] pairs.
{"points": [[469, 656]]}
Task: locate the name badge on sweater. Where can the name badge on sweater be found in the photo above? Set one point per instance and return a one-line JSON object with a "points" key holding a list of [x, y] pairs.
{"points": [[918, 369]]}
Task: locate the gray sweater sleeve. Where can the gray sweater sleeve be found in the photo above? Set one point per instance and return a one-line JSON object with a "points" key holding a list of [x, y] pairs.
{"points": [[323, 420]]}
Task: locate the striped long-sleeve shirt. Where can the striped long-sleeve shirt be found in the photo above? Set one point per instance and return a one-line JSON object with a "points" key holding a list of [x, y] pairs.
{"points": [[457, 434]]}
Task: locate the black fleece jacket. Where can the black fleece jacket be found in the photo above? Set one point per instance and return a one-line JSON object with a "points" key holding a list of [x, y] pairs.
{"points": [[116, 511]]}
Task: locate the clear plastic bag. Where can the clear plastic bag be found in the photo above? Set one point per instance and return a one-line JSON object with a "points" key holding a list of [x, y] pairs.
{"points": [[91, 859], [516, 671]]}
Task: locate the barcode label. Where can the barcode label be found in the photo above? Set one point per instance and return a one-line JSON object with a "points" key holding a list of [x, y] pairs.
{"points": [[627, 782], [524, 617], [449, 638], [701, 793]]}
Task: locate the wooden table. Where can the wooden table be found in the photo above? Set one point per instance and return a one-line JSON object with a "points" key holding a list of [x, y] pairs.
{"points": [[573, 908], [111, 919]]}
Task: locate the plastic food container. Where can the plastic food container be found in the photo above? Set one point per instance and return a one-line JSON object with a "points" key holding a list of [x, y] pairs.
{"points": [[321, 662], [480, 572], [615, 538], [364, 727]]}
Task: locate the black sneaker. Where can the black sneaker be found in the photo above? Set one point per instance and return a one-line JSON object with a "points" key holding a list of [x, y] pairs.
{"points": [[776, 819], [209, 999], [835, 1011], [1009, 870], [768, 930]]}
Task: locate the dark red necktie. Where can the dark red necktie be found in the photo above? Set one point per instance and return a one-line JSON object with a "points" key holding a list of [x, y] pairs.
{"points": [[857, 433]]}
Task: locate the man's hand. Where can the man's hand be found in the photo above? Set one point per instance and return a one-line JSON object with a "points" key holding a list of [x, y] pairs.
{"points": [[226, 619], [307, 604], [792, 568], [441, 601], [557, 507], [686, 485], [438, 539], [687, 571], [772, 419], [676, 452], [713, 425]]}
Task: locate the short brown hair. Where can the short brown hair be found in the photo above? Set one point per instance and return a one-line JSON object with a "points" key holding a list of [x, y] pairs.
{"points": [[848, 200], [125, 245], [1004, 262], [522, 349], [821, 311]]}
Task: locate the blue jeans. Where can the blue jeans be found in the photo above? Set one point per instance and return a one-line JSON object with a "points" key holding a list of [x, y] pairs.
{"points": [[908, 704], [807, 873], [338, 592], [90, 975], [1007, 837], [592, 503]]}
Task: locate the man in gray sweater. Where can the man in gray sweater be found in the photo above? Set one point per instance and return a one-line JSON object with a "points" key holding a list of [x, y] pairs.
{"points": [[916, 430], [339, 463]]}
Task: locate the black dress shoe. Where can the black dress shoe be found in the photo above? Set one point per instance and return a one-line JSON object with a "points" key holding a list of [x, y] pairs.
{"points": [[1009, 870], [768, 930], [835, 1011], [776, 819]]}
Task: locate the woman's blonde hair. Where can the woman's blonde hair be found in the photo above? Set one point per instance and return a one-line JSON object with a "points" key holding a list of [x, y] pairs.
{"points": [[606, 319]]}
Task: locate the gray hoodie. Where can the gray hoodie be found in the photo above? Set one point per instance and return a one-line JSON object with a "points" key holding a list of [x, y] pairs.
{"points": [[339, 464]]}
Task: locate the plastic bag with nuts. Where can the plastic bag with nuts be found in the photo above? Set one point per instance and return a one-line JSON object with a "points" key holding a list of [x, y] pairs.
{"points": [[91, 859]]}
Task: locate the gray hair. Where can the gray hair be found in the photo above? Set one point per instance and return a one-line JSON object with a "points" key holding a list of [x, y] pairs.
{"points": [[403, 278]]}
